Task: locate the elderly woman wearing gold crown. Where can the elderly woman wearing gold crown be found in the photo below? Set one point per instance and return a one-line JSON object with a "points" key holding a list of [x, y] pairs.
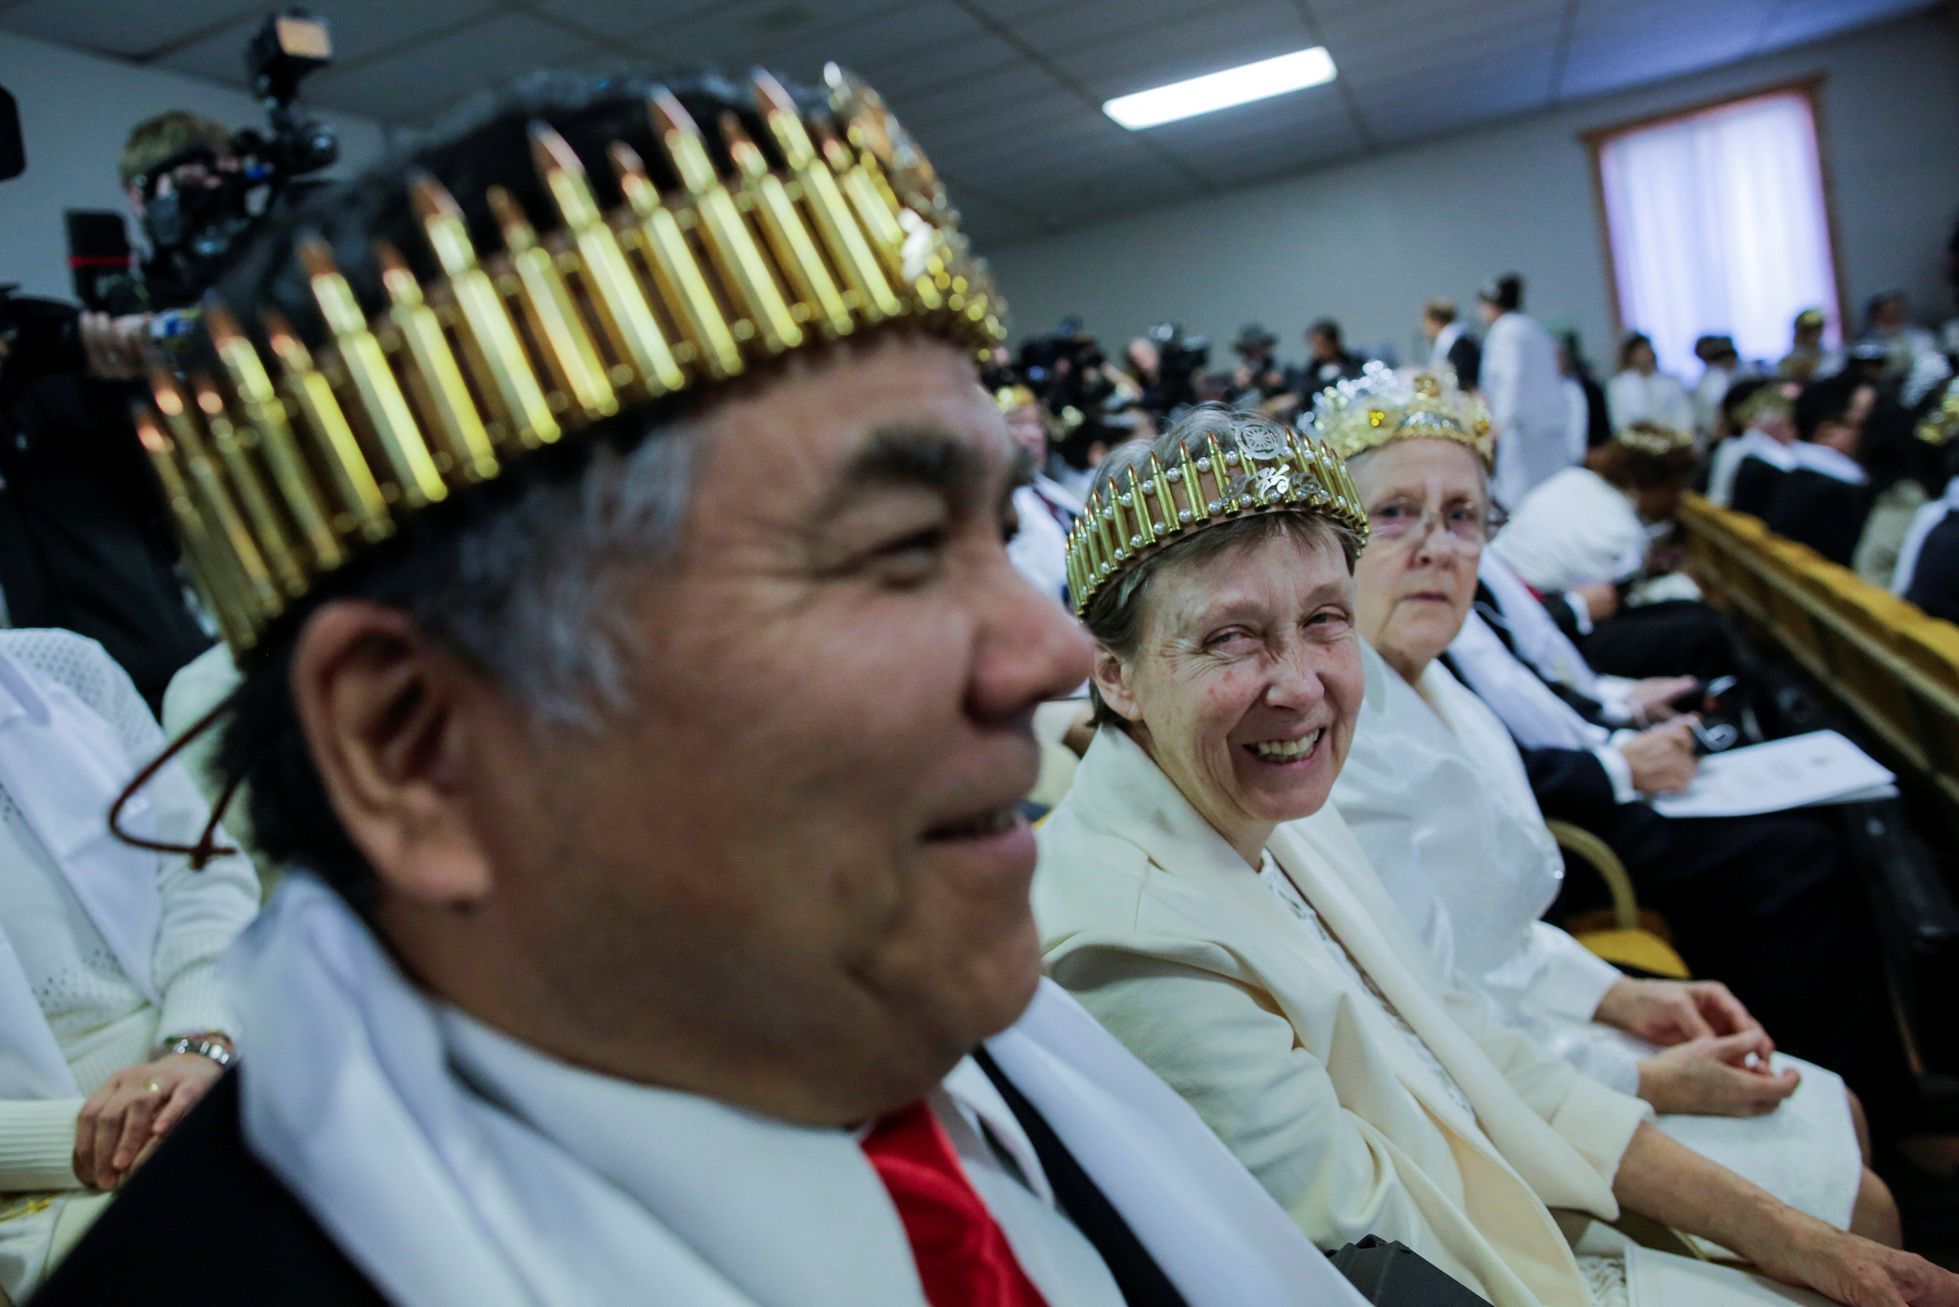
{"points": [[1252, 958], [1435, 792]]}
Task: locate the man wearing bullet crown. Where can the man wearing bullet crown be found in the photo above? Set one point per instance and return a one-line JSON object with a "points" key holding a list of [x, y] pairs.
{"points": [[608, 525]]}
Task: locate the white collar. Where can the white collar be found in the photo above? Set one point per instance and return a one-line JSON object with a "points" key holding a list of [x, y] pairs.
{"points": [[1760, 444], [1832, 463]]}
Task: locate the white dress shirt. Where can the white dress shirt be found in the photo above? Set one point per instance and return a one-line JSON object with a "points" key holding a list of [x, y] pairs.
{"points": [[1653, 397]]}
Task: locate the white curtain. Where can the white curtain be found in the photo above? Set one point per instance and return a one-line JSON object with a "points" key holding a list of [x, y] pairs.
{"points": [[1717, 225]]}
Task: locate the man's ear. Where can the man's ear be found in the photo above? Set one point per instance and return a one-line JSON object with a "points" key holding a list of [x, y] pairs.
{"points": [[1111, 677], [386, 719]]}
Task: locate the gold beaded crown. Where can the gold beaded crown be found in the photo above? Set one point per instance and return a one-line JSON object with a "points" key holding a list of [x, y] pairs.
{"points": [[1940, 425], [1144, 507], [289, 463], [1653, 438], [1381, 406]]}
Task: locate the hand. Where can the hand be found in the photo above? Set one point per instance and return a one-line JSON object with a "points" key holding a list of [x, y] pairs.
{"points": [[1674, 1011], [1601, 598], [1652, 699], [117, 349], [1852, 1270], [1714, 1077], [124, 1118], [1662, 758]]}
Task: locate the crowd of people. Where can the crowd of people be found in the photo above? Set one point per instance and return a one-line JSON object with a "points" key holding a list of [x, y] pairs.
{"points": [[650, 595]]}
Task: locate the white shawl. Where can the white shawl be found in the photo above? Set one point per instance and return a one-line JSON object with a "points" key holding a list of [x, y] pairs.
{"points": [[352, 1097]]}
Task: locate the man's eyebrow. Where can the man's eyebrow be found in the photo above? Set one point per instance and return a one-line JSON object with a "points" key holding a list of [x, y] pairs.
{"points": [[910, 457]]}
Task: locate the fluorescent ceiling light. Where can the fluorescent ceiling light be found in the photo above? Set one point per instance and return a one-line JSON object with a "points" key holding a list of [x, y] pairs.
{"points": [[1222, 90]]}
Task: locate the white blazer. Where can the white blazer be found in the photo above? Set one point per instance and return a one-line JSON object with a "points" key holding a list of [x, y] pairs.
{"points": [[1167, 937]]}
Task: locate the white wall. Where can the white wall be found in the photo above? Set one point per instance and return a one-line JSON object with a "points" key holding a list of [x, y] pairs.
{"points": [[76, 110], [1369, 241]]}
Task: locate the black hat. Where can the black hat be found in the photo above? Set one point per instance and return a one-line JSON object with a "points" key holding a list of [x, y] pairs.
{"points": [[1253, 335]]}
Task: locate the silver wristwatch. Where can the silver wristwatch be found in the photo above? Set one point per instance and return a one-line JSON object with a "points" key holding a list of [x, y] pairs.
{"points": [[201, 1046]]}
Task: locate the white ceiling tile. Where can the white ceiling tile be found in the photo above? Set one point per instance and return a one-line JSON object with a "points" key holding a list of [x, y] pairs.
{"points": [[124, 27], [414, 83], [1797, 23], [361, 30]]}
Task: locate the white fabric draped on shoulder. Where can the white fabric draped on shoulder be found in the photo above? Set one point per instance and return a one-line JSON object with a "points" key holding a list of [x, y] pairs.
{"points": [[444, 1191]]}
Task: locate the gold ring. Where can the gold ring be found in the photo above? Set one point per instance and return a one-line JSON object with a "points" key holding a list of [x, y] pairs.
{"points": [[153, 1087]]}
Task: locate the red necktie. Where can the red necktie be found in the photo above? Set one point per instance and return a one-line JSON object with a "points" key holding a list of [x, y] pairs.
{"points": [[963, 1258]]}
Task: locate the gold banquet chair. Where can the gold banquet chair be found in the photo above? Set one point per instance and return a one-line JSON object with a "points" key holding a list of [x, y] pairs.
{"points": [[1622, 934]]}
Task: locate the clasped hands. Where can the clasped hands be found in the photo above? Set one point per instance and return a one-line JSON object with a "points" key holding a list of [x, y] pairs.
{"points": [[1714, 1058], [127, 1116]]}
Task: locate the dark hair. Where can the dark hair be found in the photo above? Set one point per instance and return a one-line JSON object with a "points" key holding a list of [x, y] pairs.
{"points": [[433, 569], [1325, 327], [1636, 469], [1825, 401], [1891, 451], [1440, 310], [1633, 340], [1738, 395], [1506, 292]]}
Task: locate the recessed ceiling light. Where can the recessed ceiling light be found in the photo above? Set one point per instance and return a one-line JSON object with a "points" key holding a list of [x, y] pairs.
{"points": [[1222, 90]]}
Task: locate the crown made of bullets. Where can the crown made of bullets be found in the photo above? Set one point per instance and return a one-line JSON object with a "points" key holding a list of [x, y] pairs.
{"points": [[1149, 504], [1940, 425], [1381, 406], [1654, 438], [292, 461]]}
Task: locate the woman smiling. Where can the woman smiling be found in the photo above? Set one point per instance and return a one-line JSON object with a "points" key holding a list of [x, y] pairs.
{"points": [[1253, 959]]}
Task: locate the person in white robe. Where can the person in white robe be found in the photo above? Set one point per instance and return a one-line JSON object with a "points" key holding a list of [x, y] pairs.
{"points": [[1597, 522], [1519, 378], [1204, 902], [108, 952], [1473, 867], [1640, 392], [658, 926]]}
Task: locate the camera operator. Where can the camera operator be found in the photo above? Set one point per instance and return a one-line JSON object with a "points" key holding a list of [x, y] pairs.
{"points": [[85, 542], [1168, 366], [1330, 360], [1259, 381]]}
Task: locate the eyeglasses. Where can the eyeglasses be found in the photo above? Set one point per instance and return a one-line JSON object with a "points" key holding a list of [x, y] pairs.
{"points": [[1404, 519]]}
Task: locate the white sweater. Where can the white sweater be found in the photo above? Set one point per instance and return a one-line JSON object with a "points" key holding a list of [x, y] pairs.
{"points": [[98, 1015]]}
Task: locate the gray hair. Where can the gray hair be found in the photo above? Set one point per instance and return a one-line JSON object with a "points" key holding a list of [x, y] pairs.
{"points": [[536, 596], [528, 579], [1115, 616]]}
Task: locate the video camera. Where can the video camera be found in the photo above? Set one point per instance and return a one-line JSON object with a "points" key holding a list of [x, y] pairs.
{"points": [[1181, 358], [191, 230]]}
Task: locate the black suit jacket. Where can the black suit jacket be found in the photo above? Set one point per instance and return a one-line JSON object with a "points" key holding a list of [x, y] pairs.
{"points": [[1935, 580], [1755, 483], [1820, 511], [204, 1224]]}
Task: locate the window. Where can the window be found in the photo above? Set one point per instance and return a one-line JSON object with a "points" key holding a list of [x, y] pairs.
{"points": [[1716, 222]]}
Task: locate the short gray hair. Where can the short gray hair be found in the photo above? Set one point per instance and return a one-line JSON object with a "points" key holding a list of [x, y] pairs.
{"points": [[528, 579], [1115, 615], [535, 596]]}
